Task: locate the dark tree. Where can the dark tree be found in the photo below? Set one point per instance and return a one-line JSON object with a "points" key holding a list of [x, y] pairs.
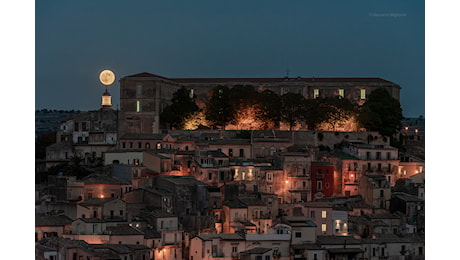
{"points": [[292, 108], [42, 142], [219, 110], [270, 108], [381, 112], [182, 105], [241, 98]]}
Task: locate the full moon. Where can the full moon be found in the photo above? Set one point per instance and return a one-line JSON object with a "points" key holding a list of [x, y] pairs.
{"points": [[107, 77]]}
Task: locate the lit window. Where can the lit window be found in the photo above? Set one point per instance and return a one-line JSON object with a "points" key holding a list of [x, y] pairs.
{"points": [[363, 93], [323, 228], [323, 214], [315, 93], [341, 92], [138, 106]]}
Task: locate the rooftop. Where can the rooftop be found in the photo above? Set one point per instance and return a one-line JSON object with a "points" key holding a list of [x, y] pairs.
{"points": [[47, 221], [256, 251], [407, 197], [337, 240], [102, 179], [223, 236], [124, 229], [96, 201], [143, 137], [183, 180], [298, 221]]}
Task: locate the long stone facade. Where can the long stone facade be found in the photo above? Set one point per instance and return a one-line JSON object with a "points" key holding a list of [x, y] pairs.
{"points": [[143, 96]]}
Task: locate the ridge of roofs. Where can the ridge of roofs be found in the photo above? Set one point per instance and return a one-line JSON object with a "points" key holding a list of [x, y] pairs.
{"points": [[146, 75], [134, 136], [96, 201], [124, 229], [102, 179], [337, 240], [257, 250], [275, 80], [265, 80], [297, 221], [47, 221]]}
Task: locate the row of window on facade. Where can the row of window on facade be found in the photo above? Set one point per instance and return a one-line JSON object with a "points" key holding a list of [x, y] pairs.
{"points": [[316, 94], [146, 145], [378, 156], [362, 93]]}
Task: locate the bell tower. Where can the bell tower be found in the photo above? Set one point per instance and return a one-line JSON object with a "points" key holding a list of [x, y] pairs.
{"points": [[106, 77]]}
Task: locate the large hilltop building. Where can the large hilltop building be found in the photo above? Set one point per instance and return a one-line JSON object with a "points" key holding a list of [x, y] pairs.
{"points": [[143, 96]]}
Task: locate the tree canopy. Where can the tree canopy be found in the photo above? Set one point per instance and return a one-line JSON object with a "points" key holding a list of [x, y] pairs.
{"points": [[219, 110], [182, 106], [381, 112], [292, 109]]}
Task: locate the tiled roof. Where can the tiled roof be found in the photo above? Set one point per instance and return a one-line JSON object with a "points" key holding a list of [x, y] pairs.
{"points": [[157, 191], [183, 180], [102, 179], [143, 137], [316, 204], [47, 221], [337, 240], [307, 246], [256, 251], [252, 201], [92, 220], [124, 229], [230, 141], [298, 221], [96, 201], [407, 197], [280, 80], [160, 214], [146, 75], [150, 233], [234, 204], [223, 236], [212, 154], [382, 216]]}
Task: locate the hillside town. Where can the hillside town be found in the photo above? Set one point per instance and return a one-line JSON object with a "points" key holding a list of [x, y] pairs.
{"points": [[116, 183]]}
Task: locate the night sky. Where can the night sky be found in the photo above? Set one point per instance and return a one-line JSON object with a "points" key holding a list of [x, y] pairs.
{"points": [[76, 40]]}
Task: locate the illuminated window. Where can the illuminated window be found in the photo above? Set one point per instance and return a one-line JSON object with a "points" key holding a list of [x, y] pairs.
{"points": [[315, 93], [341, 92], [138, 106], [323, 228], [323, 214], [363, 93]]}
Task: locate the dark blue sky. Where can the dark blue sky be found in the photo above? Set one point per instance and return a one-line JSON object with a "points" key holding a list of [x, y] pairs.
{"points": [[75, 40]]}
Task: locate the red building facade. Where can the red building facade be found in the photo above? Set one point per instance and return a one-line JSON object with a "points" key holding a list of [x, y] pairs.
{"points": [[322, 180]]}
